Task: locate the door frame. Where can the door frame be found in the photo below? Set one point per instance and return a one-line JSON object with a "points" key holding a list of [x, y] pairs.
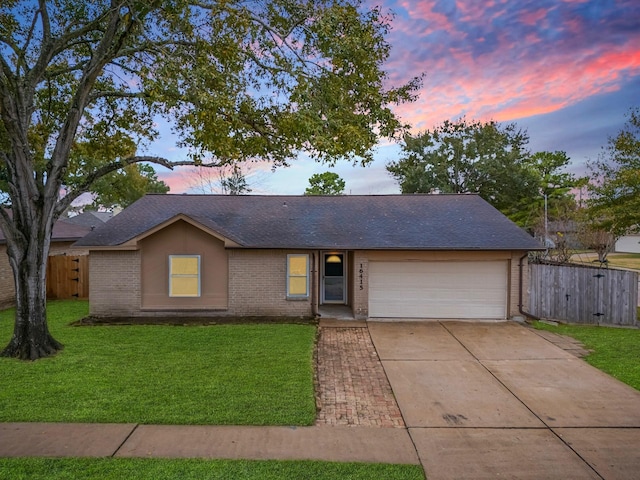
{"points": [[323, 256]]}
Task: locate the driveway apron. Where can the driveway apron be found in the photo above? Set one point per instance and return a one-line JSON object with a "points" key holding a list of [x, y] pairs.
{"points": [[495, 400]]}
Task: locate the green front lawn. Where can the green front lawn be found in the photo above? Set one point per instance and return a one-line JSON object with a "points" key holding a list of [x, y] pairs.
{"points": [[615, 350], [218, 374]]}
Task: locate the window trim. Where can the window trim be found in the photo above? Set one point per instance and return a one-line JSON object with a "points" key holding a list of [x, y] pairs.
{"points": [[172, 276], [289, 276]]}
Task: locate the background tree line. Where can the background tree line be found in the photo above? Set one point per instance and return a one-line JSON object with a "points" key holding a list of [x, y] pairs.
{"points": [[534, 189]]}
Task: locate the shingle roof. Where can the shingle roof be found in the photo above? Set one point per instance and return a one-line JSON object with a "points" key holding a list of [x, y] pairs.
{"points": [[63, 231], [90, 218], [419, 222]]}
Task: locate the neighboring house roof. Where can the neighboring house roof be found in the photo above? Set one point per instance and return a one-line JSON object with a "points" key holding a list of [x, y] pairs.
{"points": [[90, 218], [400, 222], [63, 231]]}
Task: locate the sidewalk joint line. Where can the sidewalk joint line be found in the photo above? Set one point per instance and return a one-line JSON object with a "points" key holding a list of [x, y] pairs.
{"points": [[406, 426], [135, 427]]}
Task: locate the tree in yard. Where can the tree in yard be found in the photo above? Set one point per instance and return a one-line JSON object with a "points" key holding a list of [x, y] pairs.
{"points": [[467, 157], [553, 200], [613, 205], [600, 241], [488, 159], [119, 188], [80, 82], [327, 183], [123, 187]]}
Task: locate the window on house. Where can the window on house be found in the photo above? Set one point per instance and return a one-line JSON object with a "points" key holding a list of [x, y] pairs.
{"points": [[184, 275], [298, 276]]}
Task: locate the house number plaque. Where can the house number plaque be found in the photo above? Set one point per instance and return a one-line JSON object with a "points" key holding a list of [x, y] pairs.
{"points": [[360, 276]]}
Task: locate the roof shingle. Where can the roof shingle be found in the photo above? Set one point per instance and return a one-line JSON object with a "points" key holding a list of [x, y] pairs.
{"points": [[63, 231], [399, 222]]}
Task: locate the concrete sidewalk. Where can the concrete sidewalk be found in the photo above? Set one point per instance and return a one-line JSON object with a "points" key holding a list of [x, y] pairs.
{"points": [[330, 443], [499, 401]]}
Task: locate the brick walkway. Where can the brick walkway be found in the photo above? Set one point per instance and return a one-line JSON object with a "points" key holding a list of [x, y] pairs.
{"points": [[351, 385]]}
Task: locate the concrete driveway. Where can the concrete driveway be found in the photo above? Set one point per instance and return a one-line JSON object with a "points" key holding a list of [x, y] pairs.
{"points": [[495, 400]]}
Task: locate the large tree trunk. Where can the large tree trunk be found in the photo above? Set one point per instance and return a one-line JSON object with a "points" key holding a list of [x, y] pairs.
{"points": [[31, 339]]}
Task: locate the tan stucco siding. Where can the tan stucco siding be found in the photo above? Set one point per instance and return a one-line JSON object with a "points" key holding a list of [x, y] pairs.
{"points": [[114, 283], [362, 259], [182, 238], [258, 284]]}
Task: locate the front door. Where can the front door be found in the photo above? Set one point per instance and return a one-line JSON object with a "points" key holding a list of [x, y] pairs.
{"points": [[333, 278]]}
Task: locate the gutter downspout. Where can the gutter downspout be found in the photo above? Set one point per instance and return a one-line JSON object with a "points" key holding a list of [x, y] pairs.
{"points": [[521, 287]]}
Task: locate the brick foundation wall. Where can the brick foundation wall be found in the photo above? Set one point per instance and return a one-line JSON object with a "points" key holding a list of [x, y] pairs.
{"points": [[114, 283], [257, 284]]}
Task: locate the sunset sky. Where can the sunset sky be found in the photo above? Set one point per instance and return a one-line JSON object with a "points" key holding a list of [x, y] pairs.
{"points": [[567, 71]]}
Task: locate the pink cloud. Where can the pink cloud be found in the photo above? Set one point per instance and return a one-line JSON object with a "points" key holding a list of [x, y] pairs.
{"points": [[533, 17], [494, 60], [499, 91], [190, 180]]}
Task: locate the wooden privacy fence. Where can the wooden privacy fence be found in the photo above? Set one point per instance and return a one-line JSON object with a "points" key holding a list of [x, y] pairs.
{"points": [[68, 277], [586, 295]]}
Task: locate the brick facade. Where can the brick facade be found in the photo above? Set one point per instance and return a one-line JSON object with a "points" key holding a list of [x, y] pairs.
{"points": [[114, 283], [257, 284], [360, 303], [257, 281], [514, 300]]}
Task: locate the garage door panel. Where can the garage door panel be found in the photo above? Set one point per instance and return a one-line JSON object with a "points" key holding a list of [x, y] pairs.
{"points": [[438, 289]]}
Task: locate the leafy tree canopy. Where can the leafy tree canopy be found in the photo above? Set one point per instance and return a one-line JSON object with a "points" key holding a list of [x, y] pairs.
{"points": [[614, 191], [327, 183], [554, 185], [123, 187], [82, 84], [489, 159]]}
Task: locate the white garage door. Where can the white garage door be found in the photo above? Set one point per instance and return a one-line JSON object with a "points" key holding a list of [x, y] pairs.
{"points": [[438, 289]]}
